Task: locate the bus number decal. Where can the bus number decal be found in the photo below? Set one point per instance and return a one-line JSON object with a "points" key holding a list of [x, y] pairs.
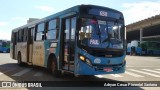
{"points": [[103, 13], [94, 42]]}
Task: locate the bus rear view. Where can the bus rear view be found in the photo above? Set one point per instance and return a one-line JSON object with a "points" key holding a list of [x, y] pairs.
{"points": [[100, 42]]}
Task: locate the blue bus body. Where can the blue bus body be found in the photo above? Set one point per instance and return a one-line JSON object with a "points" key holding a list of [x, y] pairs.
{"points": [[117, 66], [90, 40], [138, 50]]}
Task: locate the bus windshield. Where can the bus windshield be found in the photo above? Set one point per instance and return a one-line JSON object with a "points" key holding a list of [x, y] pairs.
{"points": [[101, 34]]}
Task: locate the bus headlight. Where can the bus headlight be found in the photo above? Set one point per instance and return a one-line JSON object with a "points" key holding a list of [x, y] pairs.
{"points": [[82, 58], [87, 61]]}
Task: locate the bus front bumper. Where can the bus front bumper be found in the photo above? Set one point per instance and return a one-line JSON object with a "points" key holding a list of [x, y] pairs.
{"points": [[85, 69]]}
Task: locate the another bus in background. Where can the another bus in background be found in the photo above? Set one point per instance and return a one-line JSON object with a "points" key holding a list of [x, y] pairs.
{"points": [[128, 48], [4, 46], [151, 48], [143, 48], [135, 48]]}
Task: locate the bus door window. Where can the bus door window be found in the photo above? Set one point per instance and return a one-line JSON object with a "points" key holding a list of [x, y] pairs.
{"points": [[25, 34], [19, 35], [69, 39], [30, 44], [66, 40], [72, 42]]}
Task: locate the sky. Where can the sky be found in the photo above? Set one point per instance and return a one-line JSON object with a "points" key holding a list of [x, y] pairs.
{"points": [[15, 13]]}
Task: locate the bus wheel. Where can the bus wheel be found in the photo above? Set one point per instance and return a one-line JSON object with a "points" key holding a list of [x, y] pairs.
{"points": [[53, 69]]}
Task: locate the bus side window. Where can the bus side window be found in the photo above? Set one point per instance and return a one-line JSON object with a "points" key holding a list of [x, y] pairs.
{"points": [[25, 35], [16, 38], [4, 44], [40, 32], [21, 35], [32, 34], [52, 29]]}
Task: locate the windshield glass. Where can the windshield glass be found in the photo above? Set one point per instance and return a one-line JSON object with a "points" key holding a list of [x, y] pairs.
{"points": [[101, 34]]}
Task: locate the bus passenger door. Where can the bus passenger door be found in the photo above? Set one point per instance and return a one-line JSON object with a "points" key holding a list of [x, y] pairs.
{"points": [[30, 45], [69, 43]]}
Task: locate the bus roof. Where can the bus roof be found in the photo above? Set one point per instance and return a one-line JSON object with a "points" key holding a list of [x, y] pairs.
{"points": [[72, 9]]}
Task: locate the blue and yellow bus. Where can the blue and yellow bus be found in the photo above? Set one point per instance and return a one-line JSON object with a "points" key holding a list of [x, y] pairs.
{"points": [[84, 40]]}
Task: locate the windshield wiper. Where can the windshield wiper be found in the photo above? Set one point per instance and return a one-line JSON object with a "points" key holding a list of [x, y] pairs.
{"points": [[108, 38]]}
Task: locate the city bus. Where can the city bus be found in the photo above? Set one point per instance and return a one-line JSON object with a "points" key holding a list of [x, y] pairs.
{"points": [[4, 46], [134, 48], [83, 40], [150, 47], [143, 48]]}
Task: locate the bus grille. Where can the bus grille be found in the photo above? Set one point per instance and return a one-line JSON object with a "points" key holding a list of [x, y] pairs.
{"points": [[115, 67]]}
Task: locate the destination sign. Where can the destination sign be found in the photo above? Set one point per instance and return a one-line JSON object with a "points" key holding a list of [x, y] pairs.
{"points": [[104, 13]]}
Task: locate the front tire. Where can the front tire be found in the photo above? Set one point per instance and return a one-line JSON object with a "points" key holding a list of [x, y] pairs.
{"points": [[53, 68]]}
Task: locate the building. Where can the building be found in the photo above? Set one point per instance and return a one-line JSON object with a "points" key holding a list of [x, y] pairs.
{"points": [[144, 30]]}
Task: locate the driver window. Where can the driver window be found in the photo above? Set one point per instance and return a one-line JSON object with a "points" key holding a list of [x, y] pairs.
{"points": [[82, 33], [88, 32]]}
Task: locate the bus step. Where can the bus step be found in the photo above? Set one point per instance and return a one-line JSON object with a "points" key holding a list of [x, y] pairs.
{"points": [[67, 71], [70, 62], [71, 67]]}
